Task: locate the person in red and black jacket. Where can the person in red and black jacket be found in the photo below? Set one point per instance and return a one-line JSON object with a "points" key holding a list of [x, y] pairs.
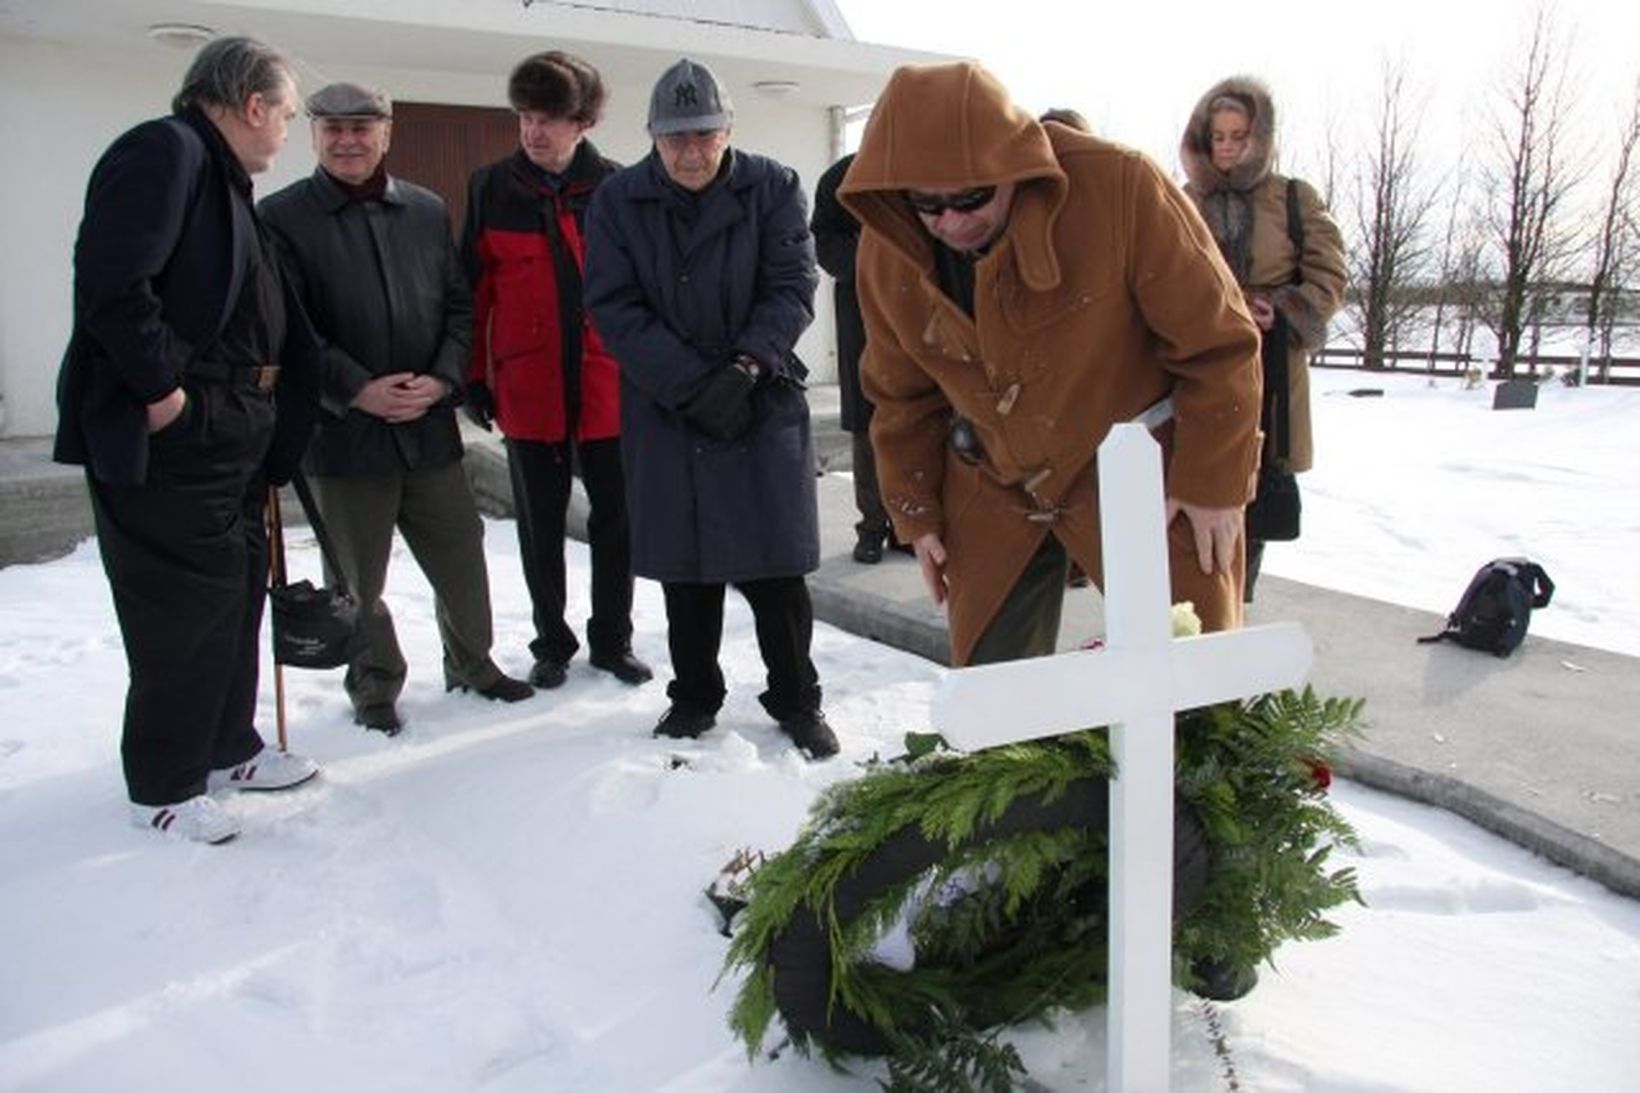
{"points": [[539, 370]]}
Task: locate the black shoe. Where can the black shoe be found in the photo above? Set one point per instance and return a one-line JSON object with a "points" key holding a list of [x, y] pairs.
{"points": [[811, 734], [623, 666], [500, 689], [1221, 981], [380, 716], [868, 549], [549, 673], [684, 724]]}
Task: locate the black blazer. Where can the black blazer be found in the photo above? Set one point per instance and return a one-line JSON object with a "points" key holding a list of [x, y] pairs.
{"points": [[836, 239], [157, 266]]}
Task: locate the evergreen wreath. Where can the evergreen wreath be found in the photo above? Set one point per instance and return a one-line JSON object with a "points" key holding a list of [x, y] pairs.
{"points": [[1008, 917]]}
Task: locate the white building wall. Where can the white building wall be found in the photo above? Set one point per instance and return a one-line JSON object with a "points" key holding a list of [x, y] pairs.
{"points": [[60, 106], [57, 113]]}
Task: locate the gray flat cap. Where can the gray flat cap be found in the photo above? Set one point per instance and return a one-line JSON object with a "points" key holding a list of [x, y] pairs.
{"points": [[349, 100], [687, 98]]}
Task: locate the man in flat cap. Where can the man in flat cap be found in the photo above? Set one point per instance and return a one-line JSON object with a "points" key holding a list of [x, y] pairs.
{"points": [[701, 276], [372, 258]]}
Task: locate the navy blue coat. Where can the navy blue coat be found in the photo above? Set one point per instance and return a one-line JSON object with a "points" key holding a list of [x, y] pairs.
{"points": [[678, 284]]}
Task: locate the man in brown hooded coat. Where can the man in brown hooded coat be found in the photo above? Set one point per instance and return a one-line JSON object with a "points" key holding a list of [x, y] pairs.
{"points": [[1024, 289]]}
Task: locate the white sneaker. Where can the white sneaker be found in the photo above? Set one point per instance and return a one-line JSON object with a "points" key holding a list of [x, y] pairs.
{"points": [[269, 768], [198, 819]]}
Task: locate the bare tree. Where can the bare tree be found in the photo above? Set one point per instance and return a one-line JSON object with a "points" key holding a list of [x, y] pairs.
{"points": [[1532, 177], [1321, 171], [1614, 244], [1450, 256], [1391, 209]]}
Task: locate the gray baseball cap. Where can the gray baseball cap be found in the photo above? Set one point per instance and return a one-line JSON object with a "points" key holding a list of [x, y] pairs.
{"points": [[688, 98], [349, 100]]}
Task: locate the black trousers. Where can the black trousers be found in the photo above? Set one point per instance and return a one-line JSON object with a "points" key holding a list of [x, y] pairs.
{"points": [[873, 522], [541, 477], [1255, 561], [784, 618], [186, 554], [433, 509], [1027, 624]]}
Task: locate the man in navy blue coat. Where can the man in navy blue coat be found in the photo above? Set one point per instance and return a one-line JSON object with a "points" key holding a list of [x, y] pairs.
{"points": [[701, 276], [189, 385]]}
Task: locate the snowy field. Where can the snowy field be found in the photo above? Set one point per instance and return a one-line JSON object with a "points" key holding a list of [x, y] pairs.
{"points": [[510, 898], [1414, 490]]}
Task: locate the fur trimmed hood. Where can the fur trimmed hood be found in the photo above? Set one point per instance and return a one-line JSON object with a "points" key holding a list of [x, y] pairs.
{"points": [[1196, 147]]}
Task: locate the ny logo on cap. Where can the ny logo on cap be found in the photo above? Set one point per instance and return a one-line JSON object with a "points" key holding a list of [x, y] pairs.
{"points": [[684, 95]]}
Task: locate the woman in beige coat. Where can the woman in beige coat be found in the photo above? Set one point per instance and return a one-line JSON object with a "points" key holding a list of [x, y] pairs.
{"points": [[1229, 154]]}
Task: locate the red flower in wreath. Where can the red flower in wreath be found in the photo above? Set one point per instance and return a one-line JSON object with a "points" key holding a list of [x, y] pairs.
{"points": [[1320, 774]]}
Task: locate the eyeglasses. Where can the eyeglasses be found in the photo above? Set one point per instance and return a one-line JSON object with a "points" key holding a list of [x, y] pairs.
{"points": [[964, 201]]}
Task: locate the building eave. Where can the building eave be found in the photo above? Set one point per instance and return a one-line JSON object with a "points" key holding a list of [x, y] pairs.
{"points": [[488, 38]]}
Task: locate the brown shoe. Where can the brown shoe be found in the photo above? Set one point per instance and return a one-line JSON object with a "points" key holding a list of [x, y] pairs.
{"points": [[380, 716], [549, 673], [811, 734], [623, 666], [681, 723], [500, 689]]}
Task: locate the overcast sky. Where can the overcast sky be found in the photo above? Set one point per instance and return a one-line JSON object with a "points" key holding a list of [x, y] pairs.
{"points": [[1136, 69]]}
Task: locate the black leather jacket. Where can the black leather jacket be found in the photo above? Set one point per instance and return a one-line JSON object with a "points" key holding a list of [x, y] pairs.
{"points": [[384, 289]]}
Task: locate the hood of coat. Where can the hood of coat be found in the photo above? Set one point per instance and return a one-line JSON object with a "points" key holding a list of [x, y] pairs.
{"points": [[1196, 147], [953, 126]]}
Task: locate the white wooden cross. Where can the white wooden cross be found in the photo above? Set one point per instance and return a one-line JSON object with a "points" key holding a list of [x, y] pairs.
{"points": [[1135, 684]]}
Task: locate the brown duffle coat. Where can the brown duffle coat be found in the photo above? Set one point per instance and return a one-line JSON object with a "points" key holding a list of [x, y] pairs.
{"points": [[1104, 294]]}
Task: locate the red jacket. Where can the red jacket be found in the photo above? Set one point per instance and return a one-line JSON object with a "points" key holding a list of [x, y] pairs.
{"points": [[533, 342]]}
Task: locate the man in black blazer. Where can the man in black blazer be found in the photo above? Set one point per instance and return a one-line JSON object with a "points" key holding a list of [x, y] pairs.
{"points": [[836, 239], [189, 385]]}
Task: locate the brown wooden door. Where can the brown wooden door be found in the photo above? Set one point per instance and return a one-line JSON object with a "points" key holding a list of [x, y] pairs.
{"points": [[439, 146]]}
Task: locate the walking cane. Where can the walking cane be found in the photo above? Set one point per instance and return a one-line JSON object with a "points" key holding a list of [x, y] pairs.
{"points": [[276, 577]]}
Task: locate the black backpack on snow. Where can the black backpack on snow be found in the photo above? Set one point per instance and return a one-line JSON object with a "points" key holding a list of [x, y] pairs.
{"points": [[1497, 606]]}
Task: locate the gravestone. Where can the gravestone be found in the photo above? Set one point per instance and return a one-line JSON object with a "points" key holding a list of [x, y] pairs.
{"points": [[1135, 684], [1515, 394]]}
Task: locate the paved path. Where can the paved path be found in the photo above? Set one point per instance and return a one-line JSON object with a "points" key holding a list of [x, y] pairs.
{"points": [[1542, 747]]}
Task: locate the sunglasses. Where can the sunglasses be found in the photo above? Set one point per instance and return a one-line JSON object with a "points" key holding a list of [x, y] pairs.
{"points": [[965, 201]]}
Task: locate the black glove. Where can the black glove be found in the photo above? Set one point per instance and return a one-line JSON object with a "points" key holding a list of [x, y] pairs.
{"points": [[480, 405], [722, 408]]}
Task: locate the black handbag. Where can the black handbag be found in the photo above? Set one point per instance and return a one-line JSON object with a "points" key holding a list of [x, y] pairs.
{"points": [[312, 627], [1273, 515]]}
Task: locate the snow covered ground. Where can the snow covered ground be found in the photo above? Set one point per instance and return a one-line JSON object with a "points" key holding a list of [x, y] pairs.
{"points": [[510, 898]]}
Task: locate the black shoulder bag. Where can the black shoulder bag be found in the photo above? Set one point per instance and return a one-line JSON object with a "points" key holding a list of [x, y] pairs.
{"points": [[312, 627], [1273, 515]]}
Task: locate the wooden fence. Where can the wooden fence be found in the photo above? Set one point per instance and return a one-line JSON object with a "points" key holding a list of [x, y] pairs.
{"points": [[1624, 371]]}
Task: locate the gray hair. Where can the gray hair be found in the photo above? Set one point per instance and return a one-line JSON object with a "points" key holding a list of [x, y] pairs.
{"points": [[228, 71]]}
